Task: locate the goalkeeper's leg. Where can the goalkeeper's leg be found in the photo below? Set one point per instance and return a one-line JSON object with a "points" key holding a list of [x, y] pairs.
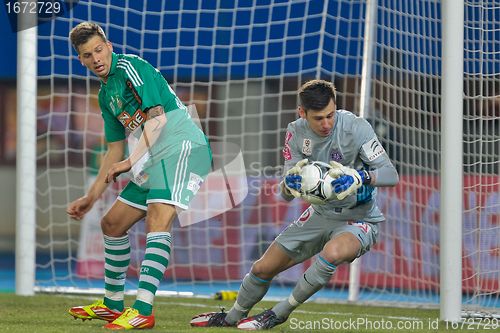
{"points": [[344, 247], [256, 283], [253, 288]]}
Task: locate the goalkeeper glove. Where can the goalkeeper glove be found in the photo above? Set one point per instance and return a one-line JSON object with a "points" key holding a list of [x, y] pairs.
{"points": [[293, 178], [347, 180]]}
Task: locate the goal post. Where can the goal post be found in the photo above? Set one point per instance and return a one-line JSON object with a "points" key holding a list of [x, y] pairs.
{"points": [[26, 154], [370, 30], [241, 64], [451, 220]]}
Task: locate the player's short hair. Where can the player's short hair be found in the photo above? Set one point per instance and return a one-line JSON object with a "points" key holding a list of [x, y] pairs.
{"points": [[83, 32], [316, 94]]}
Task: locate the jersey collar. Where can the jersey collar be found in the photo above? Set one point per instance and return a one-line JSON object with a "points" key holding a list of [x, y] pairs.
{"points": [[114, 61]]}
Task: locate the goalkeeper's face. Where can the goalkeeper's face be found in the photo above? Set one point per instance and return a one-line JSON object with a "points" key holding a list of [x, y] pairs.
{"points": [[96, 55], [320, 121]]}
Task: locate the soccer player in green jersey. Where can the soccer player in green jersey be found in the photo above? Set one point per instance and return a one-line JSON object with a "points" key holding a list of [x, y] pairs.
{"points": [[172, 157]]}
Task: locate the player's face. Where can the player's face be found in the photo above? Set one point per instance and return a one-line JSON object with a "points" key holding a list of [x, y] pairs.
{"points": [[95, 54], [320, 122]]}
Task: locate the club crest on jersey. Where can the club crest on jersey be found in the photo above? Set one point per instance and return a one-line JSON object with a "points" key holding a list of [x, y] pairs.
{"points": [[132, 121], [115, 100], [336, 155], [307, 147]]}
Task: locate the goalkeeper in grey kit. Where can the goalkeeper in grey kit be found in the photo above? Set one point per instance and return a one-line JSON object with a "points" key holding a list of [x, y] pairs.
{"points": [[340, 230]]}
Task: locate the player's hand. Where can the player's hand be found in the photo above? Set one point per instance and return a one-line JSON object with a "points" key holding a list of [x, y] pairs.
{"points": [[78, 208], [346, 180], [293, 182], [117, 169], [293, 178]]}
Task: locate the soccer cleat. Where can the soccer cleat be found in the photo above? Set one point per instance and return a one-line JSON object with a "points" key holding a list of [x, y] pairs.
{"points": [[262, 321], [131, 319], [96, 310], [210, 319]]}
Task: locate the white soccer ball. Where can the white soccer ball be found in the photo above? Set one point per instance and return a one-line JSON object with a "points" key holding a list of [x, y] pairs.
{"points": [[316, 185]]}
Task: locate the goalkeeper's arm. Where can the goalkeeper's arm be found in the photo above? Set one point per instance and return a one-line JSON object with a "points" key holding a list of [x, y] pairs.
{"points": [[386, 175], [347, 180]]}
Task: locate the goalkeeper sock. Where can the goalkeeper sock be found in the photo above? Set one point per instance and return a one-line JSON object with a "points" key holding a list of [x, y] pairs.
{"points": [[116, 261], [153, 268], [315, 277], [252, 290]]}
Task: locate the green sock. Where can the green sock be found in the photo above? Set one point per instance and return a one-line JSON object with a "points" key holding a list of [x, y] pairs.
{"points": [[153, 268], [116, 261]]}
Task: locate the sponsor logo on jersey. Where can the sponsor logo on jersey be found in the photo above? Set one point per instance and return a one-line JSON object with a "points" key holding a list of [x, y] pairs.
{"points": [[364, 227], [132, 121], [306, 215], [336, 155], [373, 149], [194, 182], [134, 92], [287, 154], [307, 147]]}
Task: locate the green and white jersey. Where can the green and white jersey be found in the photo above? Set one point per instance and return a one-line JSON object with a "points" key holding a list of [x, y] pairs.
{"points": [[132, 88], [352, 142]]}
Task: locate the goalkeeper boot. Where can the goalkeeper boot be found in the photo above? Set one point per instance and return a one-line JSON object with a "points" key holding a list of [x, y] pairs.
{"points": [[262, 321], [131, 319], [96, 310], [211, 319]]}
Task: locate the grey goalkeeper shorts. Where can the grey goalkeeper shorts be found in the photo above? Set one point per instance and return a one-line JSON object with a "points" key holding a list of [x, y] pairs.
{"points": [[306, 236]]}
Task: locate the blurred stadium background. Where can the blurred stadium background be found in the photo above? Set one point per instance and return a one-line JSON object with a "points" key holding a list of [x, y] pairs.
{"points": [[241, 63]]}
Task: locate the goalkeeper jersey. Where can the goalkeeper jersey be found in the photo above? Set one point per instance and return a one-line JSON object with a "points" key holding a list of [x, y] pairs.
{"points": [[133, 86], [353, 143]]}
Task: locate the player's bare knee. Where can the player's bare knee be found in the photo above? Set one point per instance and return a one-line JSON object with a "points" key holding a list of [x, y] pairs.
{"points": [[110, 228], [332, 254], [337, 254], [261, 270], [160, 217]]}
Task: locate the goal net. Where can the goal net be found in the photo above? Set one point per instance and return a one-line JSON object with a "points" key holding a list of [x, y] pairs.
{"points": [[241, 63]]}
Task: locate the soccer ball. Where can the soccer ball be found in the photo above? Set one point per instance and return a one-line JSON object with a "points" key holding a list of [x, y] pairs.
{"points": [[316, 185]]}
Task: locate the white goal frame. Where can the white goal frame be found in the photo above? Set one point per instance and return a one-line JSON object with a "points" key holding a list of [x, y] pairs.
{"points": [[27, 66], [451, 161]]}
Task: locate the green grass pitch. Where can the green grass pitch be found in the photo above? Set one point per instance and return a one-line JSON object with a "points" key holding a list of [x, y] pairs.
{"points": [[48, 314]]}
